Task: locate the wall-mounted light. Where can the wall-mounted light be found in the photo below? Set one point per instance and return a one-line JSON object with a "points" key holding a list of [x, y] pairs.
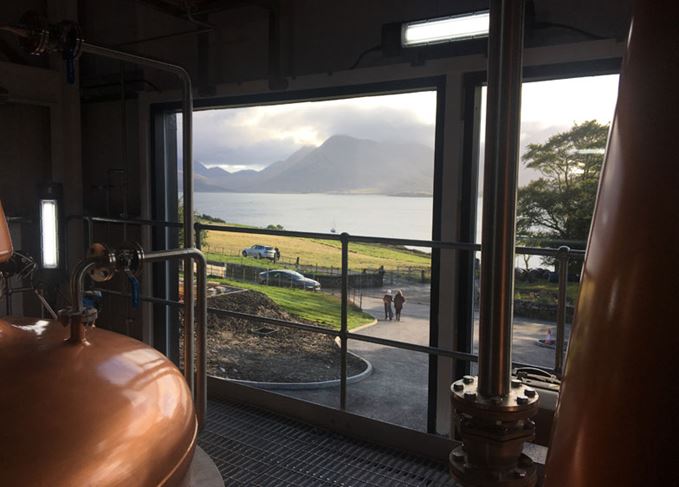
{"points": [[448, 29], [49, 233], [50, 197]]}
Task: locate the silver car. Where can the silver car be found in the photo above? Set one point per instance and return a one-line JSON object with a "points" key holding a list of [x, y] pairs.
{"points": [[260, 252], [288, 278]]}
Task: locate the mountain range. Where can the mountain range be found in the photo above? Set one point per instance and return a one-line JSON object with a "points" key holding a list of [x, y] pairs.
{"points": [[342, 164]]}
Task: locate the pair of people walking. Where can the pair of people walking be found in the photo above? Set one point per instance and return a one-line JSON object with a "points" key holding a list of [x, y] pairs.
{"points": [[397, 300]]}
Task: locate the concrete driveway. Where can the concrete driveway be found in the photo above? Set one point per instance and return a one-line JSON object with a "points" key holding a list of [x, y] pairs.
{"points": [[397, 390]]}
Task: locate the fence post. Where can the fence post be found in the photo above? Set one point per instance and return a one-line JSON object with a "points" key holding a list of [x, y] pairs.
{"points": [[197, 227], [562, 256], [343, 320]]}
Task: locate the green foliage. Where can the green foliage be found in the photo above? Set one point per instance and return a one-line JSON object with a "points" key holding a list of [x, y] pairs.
{"points": [[209, 219], [557, 208], [196, 217], [275, 227], [318, 307]]}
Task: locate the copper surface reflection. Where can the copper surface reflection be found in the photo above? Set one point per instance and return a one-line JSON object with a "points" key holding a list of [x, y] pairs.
{"points": [[113, 412]]}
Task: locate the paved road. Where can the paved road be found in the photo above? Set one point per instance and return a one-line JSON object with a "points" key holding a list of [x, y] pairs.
{"points": [[397, 390]]}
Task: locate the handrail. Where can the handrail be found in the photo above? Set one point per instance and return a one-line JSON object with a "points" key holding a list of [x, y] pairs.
{"points": [[562, 254], [199, 392]]}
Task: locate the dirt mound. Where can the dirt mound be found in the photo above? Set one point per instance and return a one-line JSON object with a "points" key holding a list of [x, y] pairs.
{"points": [[251, 350]]}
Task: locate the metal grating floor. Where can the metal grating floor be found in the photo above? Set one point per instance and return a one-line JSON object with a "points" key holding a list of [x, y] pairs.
{"points": [[253, 447]]}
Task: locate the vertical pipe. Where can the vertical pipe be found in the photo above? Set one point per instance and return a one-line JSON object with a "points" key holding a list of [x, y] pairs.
{"points": [[187, 160], [561, 307], [201, 339], [343, 320], [499, 190], [90, 231], [197, 257]]}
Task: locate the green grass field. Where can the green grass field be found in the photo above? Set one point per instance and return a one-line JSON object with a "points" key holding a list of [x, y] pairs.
{"points": [[544, 292], [317, 307], [227, 246]]}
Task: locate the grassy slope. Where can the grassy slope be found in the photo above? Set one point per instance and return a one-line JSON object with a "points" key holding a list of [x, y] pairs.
{"points": [[320, 308], [324, 253]]}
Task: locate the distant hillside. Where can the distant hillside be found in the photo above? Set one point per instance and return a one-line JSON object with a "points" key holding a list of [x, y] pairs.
{"points": [[342, 164]]}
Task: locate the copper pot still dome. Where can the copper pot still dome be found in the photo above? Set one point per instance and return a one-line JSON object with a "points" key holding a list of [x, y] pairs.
{"points": [[105, 411]]}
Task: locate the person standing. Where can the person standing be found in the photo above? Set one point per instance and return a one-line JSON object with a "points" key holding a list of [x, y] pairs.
{"points": [[399, 299], [387, 300]]}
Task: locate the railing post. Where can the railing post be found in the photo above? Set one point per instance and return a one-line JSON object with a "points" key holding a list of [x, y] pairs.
{"points": [[197, 228], [563, 257], [343, 320]]}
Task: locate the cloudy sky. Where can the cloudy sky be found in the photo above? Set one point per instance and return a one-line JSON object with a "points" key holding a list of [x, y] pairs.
{"points": [[550, 107], [254, 137]]}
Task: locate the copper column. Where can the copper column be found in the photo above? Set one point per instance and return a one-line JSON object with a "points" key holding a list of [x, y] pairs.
{"points": [[617, 419]]}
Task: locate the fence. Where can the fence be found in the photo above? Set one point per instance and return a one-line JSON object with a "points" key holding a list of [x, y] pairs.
{"points": [[562, 254], [314, 270]]}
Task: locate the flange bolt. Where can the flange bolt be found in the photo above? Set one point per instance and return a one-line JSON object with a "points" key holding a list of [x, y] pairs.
{"points": [[470, 396]]}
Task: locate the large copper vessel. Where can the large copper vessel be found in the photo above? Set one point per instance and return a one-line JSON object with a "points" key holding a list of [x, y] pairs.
{"points": [[6, 248], [617, 420], [107, 411]]}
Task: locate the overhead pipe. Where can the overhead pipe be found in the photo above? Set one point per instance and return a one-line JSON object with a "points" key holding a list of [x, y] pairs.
{"points": [[616, 422], [187, 165], [38, 37]]}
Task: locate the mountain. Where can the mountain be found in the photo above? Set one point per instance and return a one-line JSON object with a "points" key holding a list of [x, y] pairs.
{"points": [[342, 164]]}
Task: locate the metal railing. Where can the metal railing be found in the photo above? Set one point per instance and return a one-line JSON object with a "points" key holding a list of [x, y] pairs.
{"points": [[563, 255]]}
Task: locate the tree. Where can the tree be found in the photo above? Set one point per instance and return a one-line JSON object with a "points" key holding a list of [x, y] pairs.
{"points": [[196, 217], [556, 209]]}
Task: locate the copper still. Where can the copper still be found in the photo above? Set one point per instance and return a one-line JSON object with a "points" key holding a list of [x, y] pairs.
{"points": [[6, 248], [89, 406], [106, 411], [617, 422]]}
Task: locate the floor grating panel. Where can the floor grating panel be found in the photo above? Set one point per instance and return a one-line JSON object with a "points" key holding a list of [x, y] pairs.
{"points": [[253, 447]]}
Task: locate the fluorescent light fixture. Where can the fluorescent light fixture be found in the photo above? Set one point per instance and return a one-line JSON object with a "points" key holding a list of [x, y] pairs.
{"points": [[49, 231], [435, 31]]}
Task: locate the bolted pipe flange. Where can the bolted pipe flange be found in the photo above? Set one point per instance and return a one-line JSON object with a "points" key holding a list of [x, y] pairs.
{"points": [[129, 258], [493, 431]]}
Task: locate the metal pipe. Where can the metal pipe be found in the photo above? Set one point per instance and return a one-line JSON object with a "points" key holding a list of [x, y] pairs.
{"points": [[329, 332], [561, 308], [77, 284], [192, 255], [343, 320], [499, 203], [187, 162]]}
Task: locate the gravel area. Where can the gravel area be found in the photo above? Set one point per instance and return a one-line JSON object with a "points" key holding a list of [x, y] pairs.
{"points": [[255, 351]]}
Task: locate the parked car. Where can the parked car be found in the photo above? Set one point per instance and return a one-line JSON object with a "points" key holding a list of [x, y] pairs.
{"points": [[260, 252], [287, 278]]}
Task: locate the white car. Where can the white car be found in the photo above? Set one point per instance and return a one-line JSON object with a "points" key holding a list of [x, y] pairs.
{"points": [[260, 252]]}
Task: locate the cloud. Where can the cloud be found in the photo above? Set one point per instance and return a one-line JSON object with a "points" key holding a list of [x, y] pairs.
{"points": [[255, 137]]}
